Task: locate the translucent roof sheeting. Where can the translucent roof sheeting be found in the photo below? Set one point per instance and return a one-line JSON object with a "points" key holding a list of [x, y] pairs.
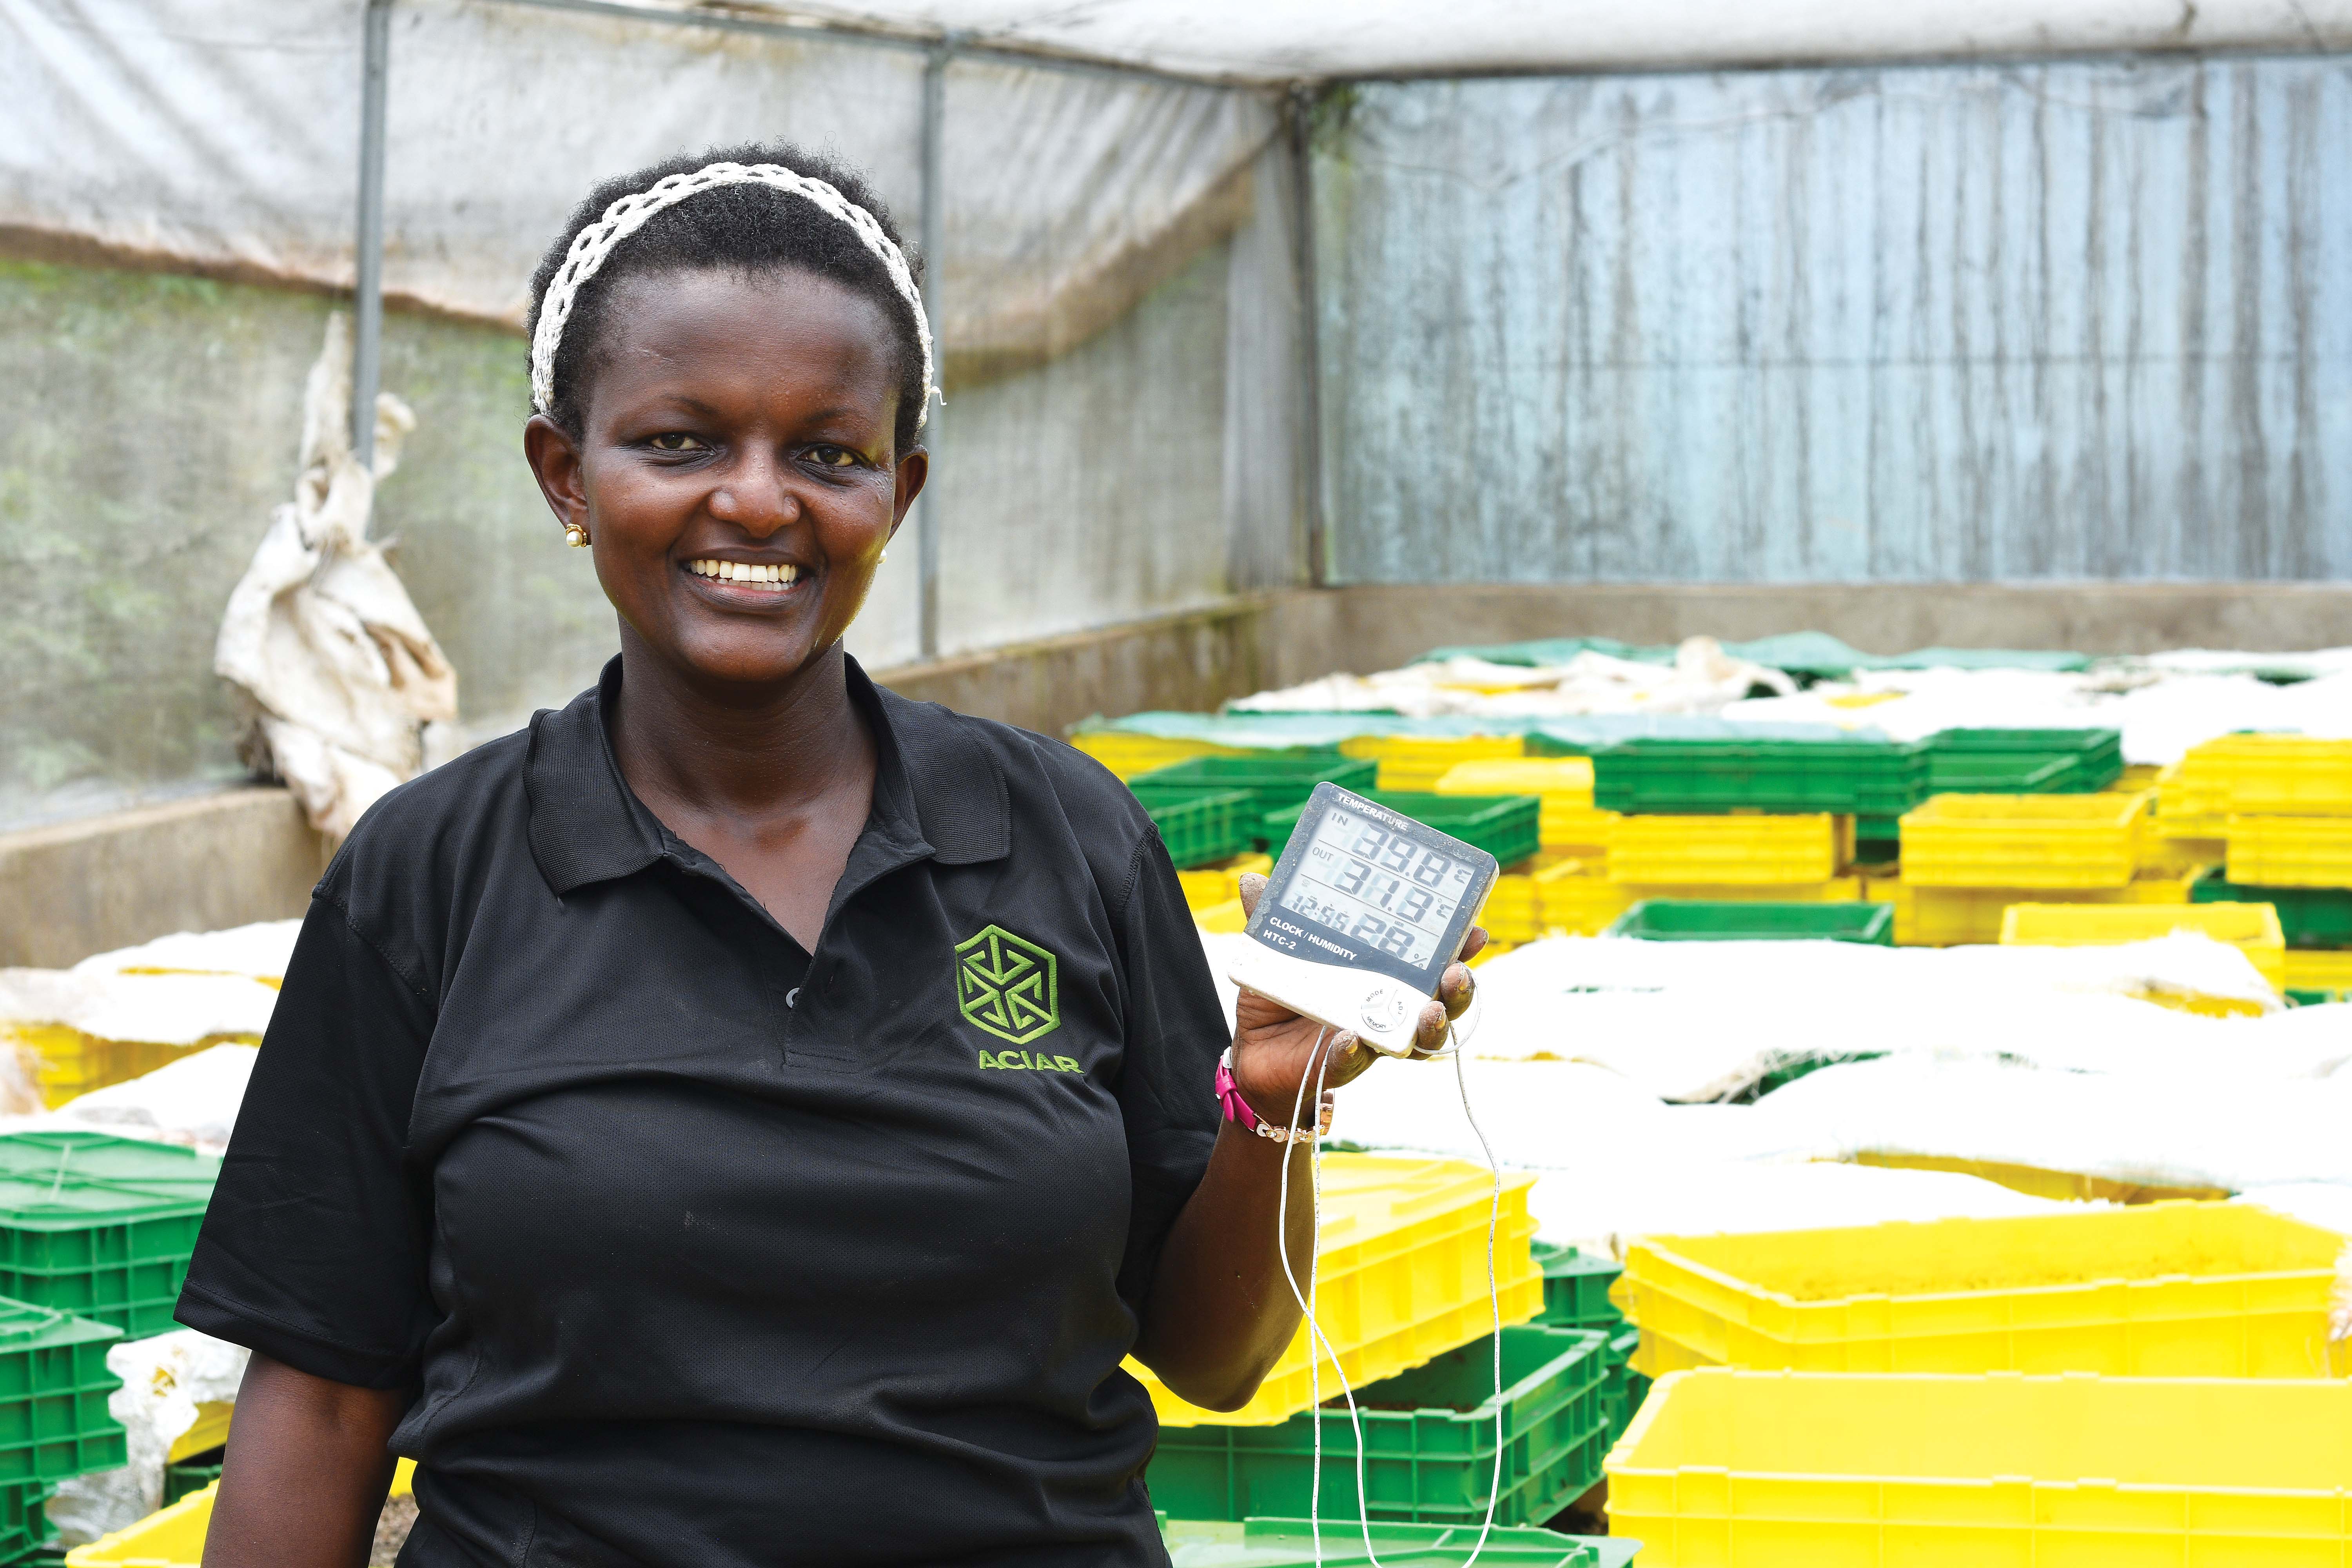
{"points": [[1272, 40]]}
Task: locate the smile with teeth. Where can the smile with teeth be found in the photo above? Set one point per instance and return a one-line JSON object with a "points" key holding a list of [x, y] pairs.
{"points": [[775, 578]]}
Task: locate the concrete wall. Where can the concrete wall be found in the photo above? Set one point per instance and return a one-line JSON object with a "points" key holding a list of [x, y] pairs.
{"points": [[217, 860], [69, 890]]}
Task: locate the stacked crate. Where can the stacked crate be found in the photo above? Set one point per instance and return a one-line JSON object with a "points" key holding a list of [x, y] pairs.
{"points": [[1211, 810], [1402, 1277], [1960, 1379], [95, 1236], [1748, 821], [2281, 808]]}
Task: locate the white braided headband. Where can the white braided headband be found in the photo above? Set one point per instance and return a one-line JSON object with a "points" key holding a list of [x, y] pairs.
{"points": [[631, 212]]}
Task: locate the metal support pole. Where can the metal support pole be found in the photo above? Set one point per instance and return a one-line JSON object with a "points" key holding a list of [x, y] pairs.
{"points": [[367, 340], [927, 518], [1302, 153]]}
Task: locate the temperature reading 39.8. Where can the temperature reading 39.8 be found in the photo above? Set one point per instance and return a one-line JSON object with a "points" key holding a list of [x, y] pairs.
{"points": [[1377, 887]]}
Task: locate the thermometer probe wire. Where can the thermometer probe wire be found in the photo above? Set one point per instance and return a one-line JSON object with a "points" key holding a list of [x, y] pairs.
{"points": [[1320, 1059]]}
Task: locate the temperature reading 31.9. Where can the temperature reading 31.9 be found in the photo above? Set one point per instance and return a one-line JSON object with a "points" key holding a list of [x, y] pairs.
{"points": [[1378, 888]]}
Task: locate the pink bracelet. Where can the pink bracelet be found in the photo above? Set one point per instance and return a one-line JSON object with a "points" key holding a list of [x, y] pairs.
{"points": [[1237, 1109]]}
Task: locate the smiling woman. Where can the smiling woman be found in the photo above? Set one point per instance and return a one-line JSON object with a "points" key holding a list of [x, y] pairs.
{"points": [[632, 1145]]}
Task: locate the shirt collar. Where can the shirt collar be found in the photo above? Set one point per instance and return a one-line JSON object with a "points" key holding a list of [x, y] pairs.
{"points": [[938, 791]]}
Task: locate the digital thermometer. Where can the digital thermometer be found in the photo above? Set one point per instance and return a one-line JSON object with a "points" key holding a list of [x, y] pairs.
{"points": [[1360, 918]]}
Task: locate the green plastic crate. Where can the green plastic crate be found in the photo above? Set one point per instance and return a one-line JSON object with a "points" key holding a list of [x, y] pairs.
{"points": [[192, 1474], [1201, 827], [1706, 920], [1290, 1544], [1576, 1287], [1504, 826], [2023, 762], [1622, 1391], [1272, 781], [1429, 1442], [53, 1390], [1853, 777], [2310, 917], [2311, 996], [99, 1225], [24, 1524]]}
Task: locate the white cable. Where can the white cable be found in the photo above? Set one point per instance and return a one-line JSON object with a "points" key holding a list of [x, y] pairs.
{"points": [[1494, 1295], [1321, 1062]]}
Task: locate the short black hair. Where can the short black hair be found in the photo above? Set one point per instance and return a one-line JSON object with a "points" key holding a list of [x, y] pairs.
{"points": [[746, 228]]}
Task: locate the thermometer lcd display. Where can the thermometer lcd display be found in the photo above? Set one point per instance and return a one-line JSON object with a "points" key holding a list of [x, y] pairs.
{"points": [[1378, 887], [1363, 889]]}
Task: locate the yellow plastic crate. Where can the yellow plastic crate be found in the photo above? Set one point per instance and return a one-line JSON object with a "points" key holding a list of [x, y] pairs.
{"points": [[2268, 775], [2191, 803], [1579, 830], [1732, 849], [1206, 887], [2162, 856], [1566, 779], [2173, 1290], [1836, 891], [2024, 840], [1513, 912], [1757, 1469], [1128, 754], [2252, 929], [1418, 761], [2134, 777], [2310, 969], [2291, 851], [1952, 917], [72, 1063], [210, 1431], [1402, 1262], [1564, 784], [174, 1538], [1222, 919], [1576, 896]]}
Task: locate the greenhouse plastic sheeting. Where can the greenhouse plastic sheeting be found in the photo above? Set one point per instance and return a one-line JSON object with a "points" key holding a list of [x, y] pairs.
{"points": [[1796, 653], [221, 132]]}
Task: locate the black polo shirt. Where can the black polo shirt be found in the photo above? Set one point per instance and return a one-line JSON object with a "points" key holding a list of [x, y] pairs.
{"points": [[701, 1249]]}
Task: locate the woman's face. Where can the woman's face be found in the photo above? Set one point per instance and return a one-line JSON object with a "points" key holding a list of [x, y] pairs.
{"points": [[737, 427]]}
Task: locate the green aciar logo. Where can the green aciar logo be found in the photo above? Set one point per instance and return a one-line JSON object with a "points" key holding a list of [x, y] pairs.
{"points": [[1005, 983]]}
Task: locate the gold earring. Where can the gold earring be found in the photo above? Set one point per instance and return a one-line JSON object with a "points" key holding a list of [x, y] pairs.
{"points": [[576, 536]]}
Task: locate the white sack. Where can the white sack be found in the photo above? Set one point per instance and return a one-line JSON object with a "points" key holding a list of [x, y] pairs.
{"points": [[2327, 1205], [1702, 680], [191, 1102], [1702, 1020], [1606, 1207], [320, 633], [155, 1009], [259, 951], [164, 1380], [2217, 1130]]}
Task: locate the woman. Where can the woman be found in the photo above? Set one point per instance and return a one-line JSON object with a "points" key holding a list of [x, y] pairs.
{"points": [[746, 1117]]}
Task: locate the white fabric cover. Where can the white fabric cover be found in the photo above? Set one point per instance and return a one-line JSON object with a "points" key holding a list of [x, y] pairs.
{"points": [[322, 636], [164, 1380]]}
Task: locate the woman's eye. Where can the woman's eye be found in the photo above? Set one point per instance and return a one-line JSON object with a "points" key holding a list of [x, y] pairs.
{"points": [[832, 456], [677, 441]]}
